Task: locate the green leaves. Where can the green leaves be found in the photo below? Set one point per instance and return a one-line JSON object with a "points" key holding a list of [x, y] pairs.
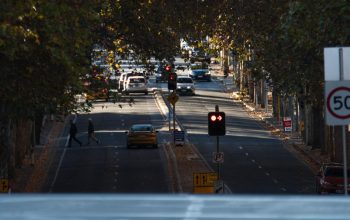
{"points": [[43, 52]]}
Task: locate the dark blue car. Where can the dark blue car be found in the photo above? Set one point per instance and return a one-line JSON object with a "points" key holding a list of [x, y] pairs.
{"points": [[201, 74]]}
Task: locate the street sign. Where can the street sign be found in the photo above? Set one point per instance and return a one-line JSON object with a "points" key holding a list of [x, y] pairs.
{"points": [[4, 185], [332, 57], [179, 138], [218, 157], [287, 124], [205, 179], [204, 182], [173, 98], [337, 100]]}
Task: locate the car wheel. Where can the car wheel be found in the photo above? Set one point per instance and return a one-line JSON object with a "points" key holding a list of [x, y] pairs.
{"points": [[155, 146], [146, 93], [157, 81]]}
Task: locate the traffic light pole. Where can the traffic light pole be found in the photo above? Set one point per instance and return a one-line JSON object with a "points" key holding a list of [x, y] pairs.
{"points": [[217, 146], [217, 151]]}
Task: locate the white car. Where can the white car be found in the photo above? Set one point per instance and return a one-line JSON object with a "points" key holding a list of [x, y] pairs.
{"points": [[185, 85], [136, 84], [124, 77]]}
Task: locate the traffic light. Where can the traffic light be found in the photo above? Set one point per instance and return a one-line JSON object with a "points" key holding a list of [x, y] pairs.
{"points": [[172, 81], [167, 68], [216, 124]]}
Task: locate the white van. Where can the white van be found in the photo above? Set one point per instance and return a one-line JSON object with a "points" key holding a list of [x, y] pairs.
{"points": [[136, 84], [124, 77]]}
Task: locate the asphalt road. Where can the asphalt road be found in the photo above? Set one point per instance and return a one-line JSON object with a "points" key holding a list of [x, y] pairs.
{"points": [[110, 167], [254, 161]]}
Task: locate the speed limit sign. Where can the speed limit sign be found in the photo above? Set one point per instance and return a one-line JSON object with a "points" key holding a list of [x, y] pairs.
{"points": [[337, 100]]}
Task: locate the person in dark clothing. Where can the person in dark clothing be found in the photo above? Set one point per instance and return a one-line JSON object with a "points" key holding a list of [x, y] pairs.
{"points": [[91, 132], [72, 132]]}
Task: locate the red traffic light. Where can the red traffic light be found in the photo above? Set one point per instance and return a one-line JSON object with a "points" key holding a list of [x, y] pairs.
{"points": [[167, 68], [215, 118], [171, 77], [216, 123]]}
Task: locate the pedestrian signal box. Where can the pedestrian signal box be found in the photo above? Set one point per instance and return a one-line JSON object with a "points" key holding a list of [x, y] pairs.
{"points": [[216, 124]]}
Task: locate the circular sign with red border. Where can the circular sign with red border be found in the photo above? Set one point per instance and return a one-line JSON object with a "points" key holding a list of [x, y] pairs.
{"points": [[338, 102]]}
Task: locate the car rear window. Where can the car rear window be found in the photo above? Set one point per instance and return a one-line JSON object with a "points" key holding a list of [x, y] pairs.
{"points": [[137, 80], [141, 128], [335, 171], [184, 80], [200, 71]]}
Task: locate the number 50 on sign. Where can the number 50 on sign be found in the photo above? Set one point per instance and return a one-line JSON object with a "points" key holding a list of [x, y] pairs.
{"points": [[337, 100]]}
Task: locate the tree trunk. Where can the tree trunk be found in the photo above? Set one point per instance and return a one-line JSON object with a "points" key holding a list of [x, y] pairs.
{"points": [[318, 128]]}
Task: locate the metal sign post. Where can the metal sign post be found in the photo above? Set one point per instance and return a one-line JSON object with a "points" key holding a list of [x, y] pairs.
{"points": [[173, 98], [337, 96], [341, 65]]}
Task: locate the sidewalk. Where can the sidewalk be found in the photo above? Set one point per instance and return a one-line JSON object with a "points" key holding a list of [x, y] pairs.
{"points": [[29, 178]]}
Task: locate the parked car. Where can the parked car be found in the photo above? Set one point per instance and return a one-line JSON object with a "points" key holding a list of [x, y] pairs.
{"points": [[200, 74], [185, 85], [136, 84], [330, 179], [141, 135]]}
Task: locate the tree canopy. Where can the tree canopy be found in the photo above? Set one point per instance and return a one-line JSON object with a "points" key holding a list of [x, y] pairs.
{"points": [[45, 46]]}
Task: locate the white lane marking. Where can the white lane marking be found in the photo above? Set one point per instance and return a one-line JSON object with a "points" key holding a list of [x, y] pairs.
{"points": [[275, 181], [58, 170], [253, 161], [247, 154], [267, 174], [260, 167], [283, 189], [240, 147]]}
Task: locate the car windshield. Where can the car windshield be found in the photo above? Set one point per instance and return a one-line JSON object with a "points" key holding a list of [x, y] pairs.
{"points": [[184, 80]]}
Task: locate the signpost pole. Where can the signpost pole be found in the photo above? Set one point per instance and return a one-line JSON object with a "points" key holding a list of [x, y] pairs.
{"points": [[345, 164], [169, 121], [174, 124]]}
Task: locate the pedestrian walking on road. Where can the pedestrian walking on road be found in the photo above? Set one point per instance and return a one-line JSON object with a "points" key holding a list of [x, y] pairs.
{"points": [[72, 132], [91, 132]]}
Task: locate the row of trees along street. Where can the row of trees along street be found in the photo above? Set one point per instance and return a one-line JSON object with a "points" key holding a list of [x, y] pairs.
{"points": [[45, 49]]}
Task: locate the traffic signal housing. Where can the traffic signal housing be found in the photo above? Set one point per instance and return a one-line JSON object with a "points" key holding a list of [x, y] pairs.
{"points": [[172, 77], [216, 124]]}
